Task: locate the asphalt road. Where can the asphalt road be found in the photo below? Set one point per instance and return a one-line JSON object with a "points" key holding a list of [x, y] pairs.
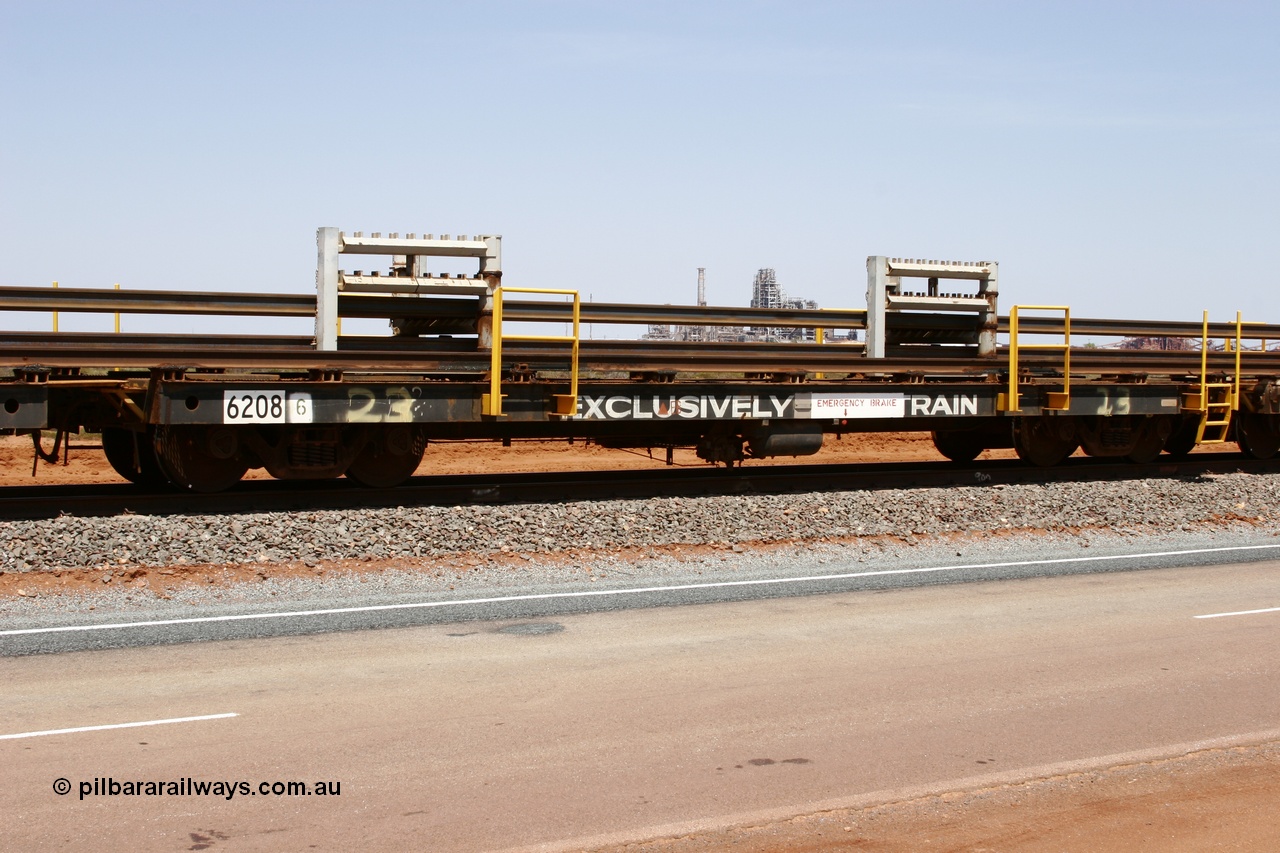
{"points": [[263, 616], [554, 731]]}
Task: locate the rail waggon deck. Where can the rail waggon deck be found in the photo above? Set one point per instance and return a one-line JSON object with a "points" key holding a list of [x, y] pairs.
{"points": [[460, 363]]}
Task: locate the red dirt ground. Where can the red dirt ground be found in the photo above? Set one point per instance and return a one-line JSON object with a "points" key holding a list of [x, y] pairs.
{"points": [[86, 464]]}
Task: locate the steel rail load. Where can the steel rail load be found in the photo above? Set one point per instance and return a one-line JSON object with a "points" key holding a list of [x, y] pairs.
{"points": [[462, 361]]}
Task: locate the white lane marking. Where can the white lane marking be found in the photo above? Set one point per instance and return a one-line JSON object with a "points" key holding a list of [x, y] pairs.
{"points": [[600, 593], [118, 726], [1238, 613]]}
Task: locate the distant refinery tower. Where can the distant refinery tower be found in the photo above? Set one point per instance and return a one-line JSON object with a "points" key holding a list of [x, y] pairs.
{"points": [[765, 292]]}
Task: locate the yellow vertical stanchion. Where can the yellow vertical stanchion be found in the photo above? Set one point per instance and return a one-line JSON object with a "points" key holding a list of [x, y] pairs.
{"points": [[571, 407], [55, 313], [1057, 401], [117, 313], [819, 336], [1204, 365], [1235, 393], [494, 407], [566, 405]]}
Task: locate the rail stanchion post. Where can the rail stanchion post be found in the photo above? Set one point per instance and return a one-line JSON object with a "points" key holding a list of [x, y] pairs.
{"points": [[1235, 394], [1011, 401], [491, 403], [1204, 361], [564, 405], [1057, 401], [55, 313], [819, 337], [117, 286], [570, 406]]}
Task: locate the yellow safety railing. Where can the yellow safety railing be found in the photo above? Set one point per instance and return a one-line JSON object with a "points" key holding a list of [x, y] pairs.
{"points": [[117, 313], [566, 404], [1055, 400], [1216, 401]]}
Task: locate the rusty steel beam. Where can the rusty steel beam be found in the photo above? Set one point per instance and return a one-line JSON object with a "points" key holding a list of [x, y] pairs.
{"points": [[141, 341], [362, 355], [686, 315], [1084, 326], [89, 300]]}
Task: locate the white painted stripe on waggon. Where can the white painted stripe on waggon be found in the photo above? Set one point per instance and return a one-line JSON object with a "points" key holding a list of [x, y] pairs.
{"points": [[118, 726], [608, 593], [1239, 613]]}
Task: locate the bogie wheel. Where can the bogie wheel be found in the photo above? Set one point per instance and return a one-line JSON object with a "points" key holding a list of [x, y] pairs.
{"points": [[1041, 441], [1148, 444], [959, 445], [389, 458], [133, 456], [1257, 434], [200, 458], [1183, 439]]}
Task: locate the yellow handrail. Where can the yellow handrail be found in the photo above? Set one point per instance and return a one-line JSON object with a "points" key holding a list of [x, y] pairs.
{"points": [[1235, 396], [1229, 345], [566, 404], [1216, 411], [1057, 401]]}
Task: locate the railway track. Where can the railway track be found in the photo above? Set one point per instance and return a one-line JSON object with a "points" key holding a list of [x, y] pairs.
{"points": [[31, 502]]}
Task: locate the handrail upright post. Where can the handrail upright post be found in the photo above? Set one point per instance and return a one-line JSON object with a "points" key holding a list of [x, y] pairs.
{"points": [[1015, 404], [495, 358], [573, 376], [1066, 356], [1235, 394], [1204, 363]]}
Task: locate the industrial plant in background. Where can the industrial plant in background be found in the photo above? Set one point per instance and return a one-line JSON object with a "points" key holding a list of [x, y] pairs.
{"points": [[765, 293]]}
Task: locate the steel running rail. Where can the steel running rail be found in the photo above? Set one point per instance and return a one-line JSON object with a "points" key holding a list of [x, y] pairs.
{"points": [[99, 301]]}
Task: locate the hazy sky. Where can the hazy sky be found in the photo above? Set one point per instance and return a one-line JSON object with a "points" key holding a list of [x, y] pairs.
{"points": [[1121, 157]]}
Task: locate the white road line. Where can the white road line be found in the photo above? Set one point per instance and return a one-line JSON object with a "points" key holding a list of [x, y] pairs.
{"points": [[603, 593], [118, 726], [1238, 613]]}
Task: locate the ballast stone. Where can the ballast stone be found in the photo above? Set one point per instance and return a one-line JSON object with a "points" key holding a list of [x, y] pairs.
{"points": [[1151, 506]]}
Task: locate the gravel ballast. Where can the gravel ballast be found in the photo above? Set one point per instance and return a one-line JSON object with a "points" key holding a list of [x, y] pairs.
{"points": [[1145, 506]]}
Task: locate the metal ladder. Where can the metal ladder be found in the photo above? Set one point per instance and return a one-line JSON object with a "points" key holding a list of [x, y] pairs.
{"points": [[1217, 401]]}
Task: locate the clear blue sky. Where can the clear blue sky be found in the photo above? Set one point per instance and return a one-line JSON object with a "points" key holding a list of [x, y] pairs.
{"points": [[1121, 157]]}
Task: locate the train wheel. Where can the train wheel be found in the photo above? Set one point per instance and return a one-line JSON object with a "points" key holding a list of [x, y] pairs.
{"points": [[390, 457], [1183, 439], [200, 458], [133, 456], [1148, 444], [959, 445], [1257, 434], [1043, 442]]}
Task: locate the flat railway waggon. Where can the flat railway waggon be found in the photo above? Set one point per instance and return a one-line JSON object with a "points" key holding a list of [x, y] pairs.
{"points": [[466, 359]]}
